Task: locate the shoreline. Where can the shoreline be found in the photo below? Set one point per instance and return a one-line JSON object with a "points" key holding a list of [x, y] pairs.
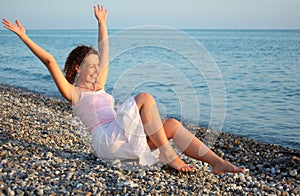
{"points": [[44, 150]]}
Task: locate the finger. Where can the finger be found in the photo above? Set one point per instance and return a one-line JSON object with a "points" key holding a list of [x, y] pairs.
{"points": [[99, 8], [7, 24], [5, 21], [18, 23], [102, 8]]}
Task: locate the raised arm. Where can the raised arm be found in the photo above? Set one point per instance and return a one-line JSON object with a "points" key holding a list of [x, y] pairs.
{"points": [[65, 88], [103, 43]]}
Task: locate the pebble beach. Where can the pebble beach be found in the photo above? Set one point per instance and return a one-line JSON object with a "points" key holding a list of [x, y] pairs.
{"points": [[45, 150]]}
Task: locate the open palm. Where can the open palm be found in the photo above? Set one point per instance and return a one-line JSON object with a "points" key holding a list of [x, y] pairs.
{"points": [[100, 13], [16, 28]]}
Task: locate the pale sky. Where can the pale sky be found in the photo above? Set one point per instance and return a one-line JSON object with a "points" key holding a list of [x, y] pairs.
{"points": [[197, 14]]}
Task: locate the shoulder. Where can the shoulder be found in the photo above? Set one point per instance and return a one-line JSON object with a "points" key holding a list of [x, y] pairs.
{"points": [[98, 87]]}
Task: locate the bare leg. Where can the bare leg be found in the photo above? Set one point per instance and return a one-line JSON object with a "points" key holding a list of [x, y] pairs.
{"points": [[150, 118], [194, 148]]}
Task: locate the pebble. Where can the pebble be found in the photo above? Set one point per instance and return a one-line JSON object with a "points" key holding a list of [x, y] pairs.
{"points": [[45, 150], [293, 172], [273, 170]]}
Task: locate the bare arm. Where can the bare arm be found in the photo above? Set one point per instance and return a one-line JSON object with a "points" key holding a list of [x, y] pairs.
{"points": [[65, 88], [103, 44]]}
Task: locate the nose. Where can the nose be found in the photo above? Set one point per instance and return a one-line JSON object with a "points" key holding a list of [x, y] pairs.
{"points": [[97, 69]]}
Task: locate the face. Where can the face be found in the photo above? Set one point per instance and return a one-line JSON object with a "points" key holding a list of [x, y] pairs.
{"points": [[89, 69]]}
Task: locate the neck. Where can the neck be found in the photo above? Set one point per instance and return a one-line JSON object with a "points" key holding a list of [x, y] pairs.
{"points": [[88, 86]]}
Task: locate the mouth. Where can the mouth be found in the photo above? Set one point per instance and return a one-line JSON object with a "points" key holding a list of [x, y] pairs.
{"points": [[94, 75]]}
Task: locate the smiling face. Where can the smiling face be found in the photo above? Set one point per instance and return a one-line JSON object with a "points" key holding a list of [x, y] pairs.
{"points": [[89, 69]]}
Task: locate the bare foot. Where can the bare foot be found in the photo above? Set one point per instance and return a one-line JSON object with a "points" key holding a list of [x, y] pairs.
{"points": [[179, 165], [226, 167]]}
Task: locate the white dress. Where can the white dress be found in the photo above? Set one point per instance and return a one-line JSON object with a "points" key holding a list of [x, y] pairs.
{"points": [[116, 134]]}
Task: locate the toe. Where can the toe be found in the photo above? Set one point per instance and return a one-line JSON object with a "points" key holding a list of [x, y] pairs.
{"points": [[186, 168], [242, 169]]}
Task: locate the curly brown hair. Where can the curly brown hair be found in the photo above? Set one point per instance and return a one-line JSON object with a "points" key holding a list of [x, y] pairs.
{"points": [[75, 59]]}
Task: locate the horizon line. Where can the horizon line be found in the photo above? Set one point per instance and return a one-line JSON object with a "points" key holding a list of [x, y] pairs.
{"points": [[223, 29]]}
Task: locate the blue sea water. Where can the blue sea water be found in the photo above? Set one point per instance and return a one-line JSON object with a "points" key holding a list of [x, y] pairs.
{"points": [[257, 73]]}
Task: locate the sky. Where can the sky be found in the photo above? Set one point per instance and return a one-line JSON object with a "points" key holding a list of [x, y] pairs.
{"points": [[183, 14]]}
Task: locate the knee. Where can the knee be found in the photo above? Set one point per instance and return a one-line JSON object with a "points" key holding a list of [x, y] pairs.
{"points": [[144, 97], [172, 122], [171, 126]]}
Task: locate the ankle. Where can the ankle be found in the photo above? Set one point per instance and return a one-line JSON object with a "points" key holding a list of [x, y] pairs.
{"points": [[212, 159], [167, 153]]}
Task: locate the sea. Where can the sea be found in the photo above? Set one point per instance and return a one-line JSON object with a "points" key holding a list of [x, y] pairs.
{"points": [[246, 82]]}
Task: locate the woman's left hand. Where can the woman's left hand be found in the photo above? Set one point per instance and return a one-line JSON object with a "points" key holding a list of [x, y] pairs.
{"points": [[100, 13]]}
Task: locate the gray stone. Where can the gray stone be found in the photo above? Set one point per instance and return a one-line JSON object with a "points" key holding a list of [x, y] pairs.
{"points": [[293, 172]]}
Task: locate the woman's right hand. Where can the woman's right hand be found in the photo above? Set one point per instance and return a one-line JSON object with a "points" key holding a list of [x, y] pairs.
{"points": [[17, 29]]}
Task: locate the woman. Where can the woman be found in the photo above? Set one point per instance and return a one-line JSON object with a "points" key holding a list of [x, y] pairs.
{"points": [[135, 129]]}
